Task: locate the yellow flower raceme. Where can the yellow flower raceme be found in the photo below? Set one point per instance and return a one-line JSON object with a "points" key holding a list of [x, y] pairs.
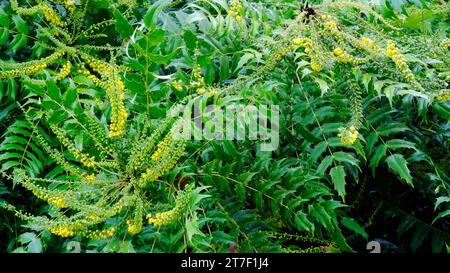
{"points": [[69, 4], [28, 68], [89, 177], [64, 72], [348, 136], [444, 96], [114, 87], [62, 230], [178, 85], [445, 43], [168, 151], [344, 57], [88, 161], [330, 24], [51, 15], [399, 59], [164, 218], [236, 6], [316, 62], [100, 234], [57, 201], [132, 228]]}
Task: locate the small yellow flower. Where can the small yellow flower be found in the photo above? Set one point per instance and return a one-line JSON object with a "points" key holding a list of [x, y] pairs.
{"points": [[57, 201], [330, 25], [177, 85], [348, 136]]}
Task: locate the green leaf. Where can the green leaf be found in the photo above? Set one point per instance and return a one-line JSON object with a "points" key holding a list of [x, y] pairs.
{"points": [[440, 200], [392, 128], [354, 226], [324, 165], [318, 151], [345, 157], [400, 143], [35, 246], [4, 35], [441, 215], [21, 25], [399, 165], [224, 68], [442, 109], [380, 152], [419, 235], [338, 178], [26, 237], [53, 90], [407, 223], [307, 134], [151, 15], [190, 40], [302, 222], [155, 37], [4, 18], [122, 25], [19, 41], [323, 85]]}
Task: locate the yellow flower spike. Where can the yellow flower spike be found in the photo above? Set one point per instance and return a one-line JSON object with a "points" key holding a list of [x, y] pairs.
{"points": [[297, 41], [234, 10], [63, 231], [57, 201], [445, 43], [64, 72], [330, 25], [201, 90], [177, 85], [348, 136], [394, 53]]}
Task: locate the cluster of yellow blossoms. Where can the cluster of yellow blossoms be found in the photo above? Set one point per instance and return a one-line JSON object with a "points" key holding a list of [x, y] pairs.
{"points": [[198, 81], [343, 56], [303, 42], [88, 161], [168, 151], [69, 4], [29, 68], [316, 63], [62, 230], [445, 43], [328, 22], [445, 96], [182, 203], [133, 228], [100, 234], [115, 88], [178, 85], [57, 201], [348, 136], [236, 6], [52, 197], [394, 53], [64, 72], [89, 177], [49, 13]]}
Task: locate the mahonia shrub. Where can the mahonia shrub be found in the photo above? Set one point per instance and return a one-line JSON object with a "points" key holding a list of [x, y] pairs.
{"points": [[97, 89]]}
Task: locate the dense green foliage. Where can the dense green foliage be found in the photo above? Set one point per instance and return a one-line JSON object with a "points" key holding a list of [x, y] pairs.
{"points": [[90, 149]]}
